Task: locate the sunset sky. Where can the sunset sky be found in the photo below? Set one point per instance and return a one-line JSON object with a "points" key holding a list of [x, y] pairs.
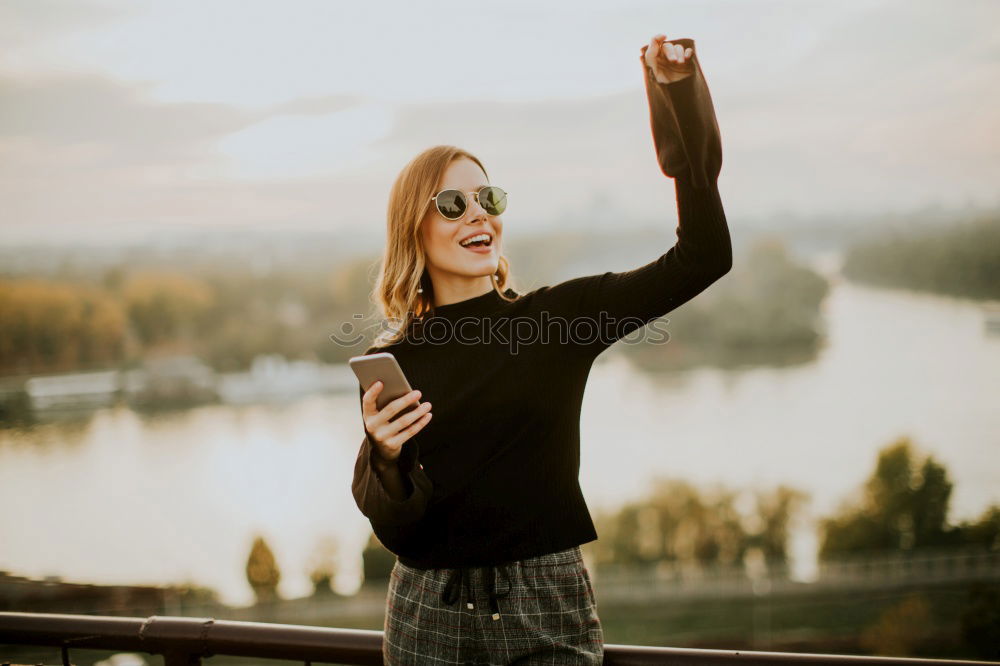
{"points": [[132, 117]]}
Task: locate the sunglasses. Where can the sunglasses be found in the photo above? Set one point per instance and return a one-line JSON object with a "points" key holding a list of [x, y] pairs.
{"points": [[452, 204]]}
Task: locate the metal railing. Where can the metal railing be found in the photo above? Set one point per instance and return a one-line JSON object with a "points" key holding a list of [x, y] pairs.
{"points": [[185, 641]]}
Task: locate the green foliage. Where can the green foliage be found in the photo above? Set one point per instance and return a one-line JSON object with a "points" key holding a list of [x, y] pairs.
{"points": [[985, 531], [228, 314], [961, 260], [904, 505], [680, 523], [767, 308], [775, 512], [767, 300], [164, 306]]}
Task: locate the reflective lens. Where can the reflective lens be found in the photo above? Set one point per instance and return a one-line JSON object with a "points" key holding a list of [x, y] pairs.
{"points": [[493, 200], [452, 203]]}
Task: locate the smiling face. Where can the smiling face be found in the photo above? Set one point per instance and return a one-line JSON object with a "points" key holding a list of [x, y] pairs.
{"points": [[447, 260]]}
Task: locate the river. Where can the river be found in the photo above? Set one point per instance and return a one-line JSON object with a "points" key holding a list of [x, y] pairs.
{"points": [[122, 498]]}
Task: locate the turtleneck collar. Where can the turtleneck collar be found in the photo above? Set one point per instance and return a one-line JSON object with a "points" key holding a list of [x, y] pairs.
{"points": [[477, 305]]}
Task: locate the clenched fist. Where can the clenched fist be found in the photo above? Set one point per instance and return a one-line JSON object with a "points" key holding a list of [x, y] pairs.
{"points": [[669, 62]]}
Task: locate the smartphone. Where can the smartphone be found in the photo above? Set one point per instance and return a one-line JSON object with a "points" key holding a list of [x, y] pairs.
{"points": [[370, 368]]}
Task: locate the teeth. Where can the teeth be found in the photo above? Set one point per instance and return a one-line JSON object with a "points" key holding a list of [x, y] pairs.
{"points": [[482, 237]]}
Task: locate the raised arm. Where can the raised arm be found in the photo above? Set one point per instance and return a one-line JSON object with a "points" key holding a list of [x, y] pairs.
{"points": [[689, 149], [682, 118]]}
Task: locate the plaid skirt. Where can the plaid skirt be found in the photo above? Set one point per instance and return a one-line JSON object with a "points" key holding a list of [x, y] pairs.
{"points": [[539, 610]]}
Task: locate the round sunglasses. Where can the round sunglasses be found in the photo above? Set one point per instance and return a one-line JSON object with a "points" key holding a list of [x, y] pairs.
{"points": [[452, 204]]}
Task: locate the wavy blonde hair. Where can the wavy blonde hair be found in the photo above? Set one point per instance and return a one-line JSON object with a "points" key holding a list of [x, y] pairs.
{"points": [[404, 262]]}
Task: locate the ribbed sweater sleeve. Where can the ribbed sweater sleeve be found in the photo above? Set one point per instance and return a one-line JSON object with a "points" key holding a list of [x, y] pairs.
{"points": [[682, 118], [605, 307], [371, 496]]}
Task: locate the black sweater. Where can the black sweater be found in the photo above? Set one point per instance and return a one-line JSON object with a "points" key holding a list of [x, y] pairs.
{"points": [[494, 475]]}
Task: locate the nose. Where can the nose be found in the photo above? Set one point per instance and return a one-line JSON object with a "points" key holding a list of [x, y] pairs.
{"points": [[475, 211]]}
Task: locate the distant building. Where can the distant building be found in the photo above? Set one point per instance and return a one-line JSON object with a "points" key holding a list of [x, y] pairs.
{"points": [[272, 377], [170, 381], [81, 390]]}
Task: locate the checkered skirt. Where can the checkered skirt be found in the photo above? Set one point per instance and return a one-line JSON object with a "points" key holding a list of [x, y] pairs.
{"points": [[542, 611]]}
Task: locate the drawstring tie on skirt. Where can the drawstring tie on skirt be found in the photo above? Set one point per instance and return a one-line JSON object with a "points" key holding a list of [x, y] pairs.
{"points": [[460, 577]]}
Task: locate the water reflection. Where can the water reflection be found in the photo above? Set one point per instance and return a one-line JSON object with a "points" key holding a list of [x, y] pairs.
{"points": [[119, 496]]}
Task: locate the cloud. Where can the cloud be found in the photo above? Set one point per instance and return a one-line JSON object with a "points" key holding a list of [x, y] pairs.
{"points": [[85, 151], [91, 152], [35, 22], [886, 105], [294, 145], [128, 130]]}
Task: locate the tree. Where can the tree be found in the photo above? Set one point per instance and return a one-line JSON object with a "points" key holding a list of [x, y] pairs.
{"points": [[776, 510], [48, 326], [262, 571], [904, 505], [961, 258], [165, 307], [984, 532], [677, 523]]}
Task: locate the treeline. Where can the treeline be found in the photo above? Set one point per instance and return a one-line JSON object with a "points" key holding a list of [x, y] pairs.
{"points": [[47, 325], [225, 318], [959, 260], [767, 308], [680, 523], [902, 507]]}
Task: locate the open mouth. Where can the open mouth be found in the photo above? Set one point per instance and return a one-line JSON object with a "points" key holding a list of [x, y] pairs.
{"points": [[477, 242]]}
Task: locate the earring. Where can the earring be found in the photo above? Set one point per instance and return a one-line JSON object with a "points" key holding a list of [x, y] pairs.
{"points": [[420, 290]]}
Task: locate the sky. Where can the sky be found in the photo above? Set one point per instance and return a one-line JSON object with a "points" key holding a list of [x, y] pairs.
{"points": [[131, 118]]}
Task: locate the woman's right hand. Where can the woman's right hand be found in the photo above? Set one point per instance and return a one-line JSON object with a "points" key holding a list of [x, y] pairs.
{"points": [[389, 435]]}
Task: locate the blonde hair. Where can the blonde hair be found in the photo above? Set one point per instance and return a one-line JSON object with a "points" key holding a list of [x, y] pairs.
{"points": [[404, 262]]}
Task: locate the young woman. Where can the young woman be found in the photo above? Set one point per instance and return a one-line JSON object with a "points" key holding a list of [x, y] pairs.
{"points": [[480, 500]]}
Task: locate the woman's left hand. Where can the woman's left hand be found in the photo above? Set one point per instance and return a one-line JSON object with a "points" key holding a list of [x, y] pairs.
{"points": [[669, 62]]}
